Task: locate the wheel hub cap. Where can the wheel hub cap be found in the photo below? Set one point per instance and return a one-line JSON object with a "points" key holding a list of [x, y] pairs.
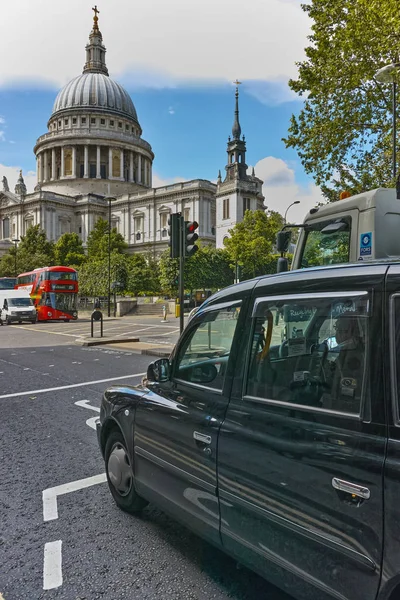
{"points": [[119, 470]]}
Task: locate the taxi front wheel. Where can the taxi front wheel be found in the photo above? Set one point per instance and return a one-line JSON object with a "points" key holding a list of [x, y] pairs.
{"points": [[120, 475]]}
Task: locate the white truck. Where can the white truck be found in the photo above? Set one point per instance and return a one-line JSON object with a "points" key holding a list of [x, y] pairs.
{"points": [[358, 228], [16, 306]]}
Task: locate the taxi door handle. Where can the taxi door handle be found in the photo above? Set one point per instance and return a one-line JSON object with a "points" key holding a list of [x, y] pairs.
{"points": [[201, 437], [351, 488]]}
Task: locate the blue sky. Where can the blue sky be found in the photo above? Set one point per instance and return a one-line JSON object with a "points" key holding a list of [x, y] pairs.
{"points": [[182, 89]]}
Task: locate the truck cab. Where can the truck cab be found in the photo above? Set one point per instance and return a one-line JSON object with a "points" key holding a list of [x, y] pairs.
{"points": [[359, 228]]}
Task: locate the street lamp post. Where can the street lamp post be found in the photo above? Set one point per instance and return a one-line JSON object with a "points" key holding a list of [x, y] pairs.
{"points": [[109, 199], [286, 212], [388, 74], [15, 241]]}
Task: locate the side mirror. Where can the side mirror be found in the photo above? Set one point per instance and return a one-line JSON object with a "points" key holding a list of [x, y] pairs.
{"points": [[159, 370], [283, 240], [283, 265]]}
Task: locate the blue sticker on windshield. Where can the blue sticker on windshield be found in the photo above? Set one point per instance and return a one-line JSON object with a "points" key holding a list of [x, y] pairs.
{"points": [[366, 244]]}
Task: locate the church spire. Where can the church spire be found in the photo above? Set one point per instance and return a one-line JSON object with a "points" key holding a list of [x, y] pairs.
{"points": [[95, 50], [236, 129]]}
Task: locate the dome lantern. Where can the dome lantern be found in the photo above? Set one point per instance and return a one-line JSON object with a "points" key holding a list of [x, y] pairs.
{"points": [[95, 50]]}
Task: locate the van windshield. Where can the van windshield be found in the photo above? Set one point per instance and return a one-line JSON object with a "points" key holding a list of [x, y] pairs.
{"points": [[325, 248], [20, 302]]}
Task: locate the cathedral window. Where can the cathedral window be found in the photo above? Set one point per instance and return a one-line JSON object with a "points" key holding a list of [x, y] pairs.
{"points": [[111, 123], [232, 158], [6, 228], [120, 125], [225, 208], [102, 121], [59, 123], [74, 121], [164, 219], [246, 204], [83, 120], [93, 121], [133, 130], [66, 121], [126, 127]]}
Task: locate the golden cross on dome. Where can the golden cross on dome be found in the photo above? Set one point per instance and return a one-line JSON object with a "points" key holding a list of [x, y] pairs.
{"points": [[96, 12]]}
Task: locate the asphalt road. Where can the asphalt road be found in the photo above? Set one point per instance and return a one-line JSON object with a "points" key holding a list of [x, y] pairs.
{"points": [[47, 440]]}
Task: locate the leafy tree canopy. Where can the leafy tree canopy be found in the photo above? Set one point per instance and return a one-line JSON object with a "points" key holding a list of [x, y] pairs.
{"points": [[251, 242], [68, 250], [34, 251], [343, 132], [97, 243]]}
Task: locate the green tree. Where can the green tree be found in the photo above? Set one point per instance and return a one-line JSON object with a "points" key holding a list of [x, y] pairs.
{"points": [[68, 250], [93, 274], [343, 132], [34, 251], [97, 242], [142, 275], [251, 241]]}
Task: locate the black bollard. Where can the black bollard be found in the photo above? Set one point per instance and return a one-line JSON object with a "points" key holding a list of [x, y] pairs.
{"points": [[96, 315]]}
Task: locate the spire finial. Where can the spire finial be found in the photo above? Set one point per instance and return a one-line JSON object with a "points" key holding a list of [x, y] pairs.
{"points": [[95, 51], [236, 130], [95, 19]]}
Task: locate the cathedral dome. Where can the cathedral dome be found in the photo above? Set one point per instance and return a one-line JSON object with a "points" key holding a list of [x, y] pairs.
{"points": [[94, 90]]}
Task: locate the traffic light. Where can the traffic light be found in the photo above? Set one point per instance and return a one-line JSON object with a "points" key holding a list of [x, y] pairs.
{"points": [[190, 238], [174, 232]]}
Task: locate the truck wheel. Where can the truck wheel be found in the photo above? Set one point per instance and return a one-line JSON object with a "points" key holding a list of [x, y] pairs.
{"points": [[8, 321], [120, 476], [33, 321]]}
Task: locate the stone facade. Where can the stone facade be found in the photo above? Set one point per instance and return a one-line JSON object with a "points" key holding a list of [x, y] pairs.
{"points": [[93, 150]]}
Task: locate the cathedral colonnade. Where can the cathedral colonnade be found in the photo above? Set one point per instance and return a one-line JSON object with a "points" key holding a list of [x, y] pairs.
{"points": [[93, 161]]}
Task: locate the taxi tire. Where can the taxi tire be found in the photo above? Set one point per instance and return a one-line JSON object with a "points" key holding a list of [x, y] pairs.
{"points": [[131, 502]]}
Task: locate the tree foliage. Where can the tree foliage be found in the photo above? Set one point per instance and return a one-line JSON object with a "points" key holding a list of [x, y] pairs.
{"points": [[251, 242], [68, 250], [343, 132], [97, 242], [208, 269], [34, 251]]}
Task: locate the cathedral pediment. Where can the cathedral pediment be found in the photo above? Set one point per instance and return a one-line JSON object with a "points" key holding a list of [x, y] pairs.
{"points": [[8, 199]]}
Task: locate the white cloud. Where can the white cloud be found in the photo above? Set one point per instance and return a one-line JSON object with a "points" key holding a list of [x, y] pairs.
{"points": [[12, 142], [281, 189], [171, 110], [156, 43], [2, 120], [12, 174], [160, 182], [2, 136]]}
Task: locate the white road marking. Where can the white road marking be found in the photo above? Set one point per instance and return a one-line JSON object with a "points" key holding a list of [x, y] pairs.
{"points": [[52, 572], [92, 422], [49, 496], [51, 365], [85, 404], [72, 385]]}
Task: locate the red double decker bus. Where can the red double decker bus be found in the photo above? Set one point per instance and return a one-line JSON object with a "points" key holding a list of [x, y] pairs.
{"points": [[54, 291]]}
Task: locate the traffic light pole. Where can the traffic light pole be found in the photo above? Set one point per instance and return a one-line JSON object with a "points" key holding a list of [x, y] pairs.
{"points": [[181, 269]]}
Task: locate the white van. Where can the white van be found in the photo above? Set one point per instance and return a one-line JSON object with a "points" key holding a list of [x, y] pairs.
{"points": [[16, 306]]}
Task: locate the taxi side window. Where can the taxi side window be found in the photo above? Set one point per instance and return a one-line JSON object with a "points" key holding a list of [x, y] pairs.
{"points": [[310, 352], [203, 358]]}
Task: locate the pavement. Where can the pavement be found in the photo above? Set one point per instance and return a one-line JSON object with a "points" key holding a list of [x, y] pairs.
{"points": [[61, 535]]}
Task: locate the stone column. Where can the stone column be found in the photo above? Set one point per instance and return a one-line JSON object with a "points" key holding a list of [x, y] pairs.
{"points": [[98, 174], [54, 225], [62, 163], [121, 164], [110, 163], [53, 164], [86, 162], [139, 177], [130, 166], [150, 175], [45, 166], [74, 161], [38, 167]]}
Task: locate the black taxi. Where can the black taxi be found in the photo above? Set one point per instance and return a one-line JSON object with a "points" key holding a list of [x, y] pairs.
{"points": [[273, 430]]}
